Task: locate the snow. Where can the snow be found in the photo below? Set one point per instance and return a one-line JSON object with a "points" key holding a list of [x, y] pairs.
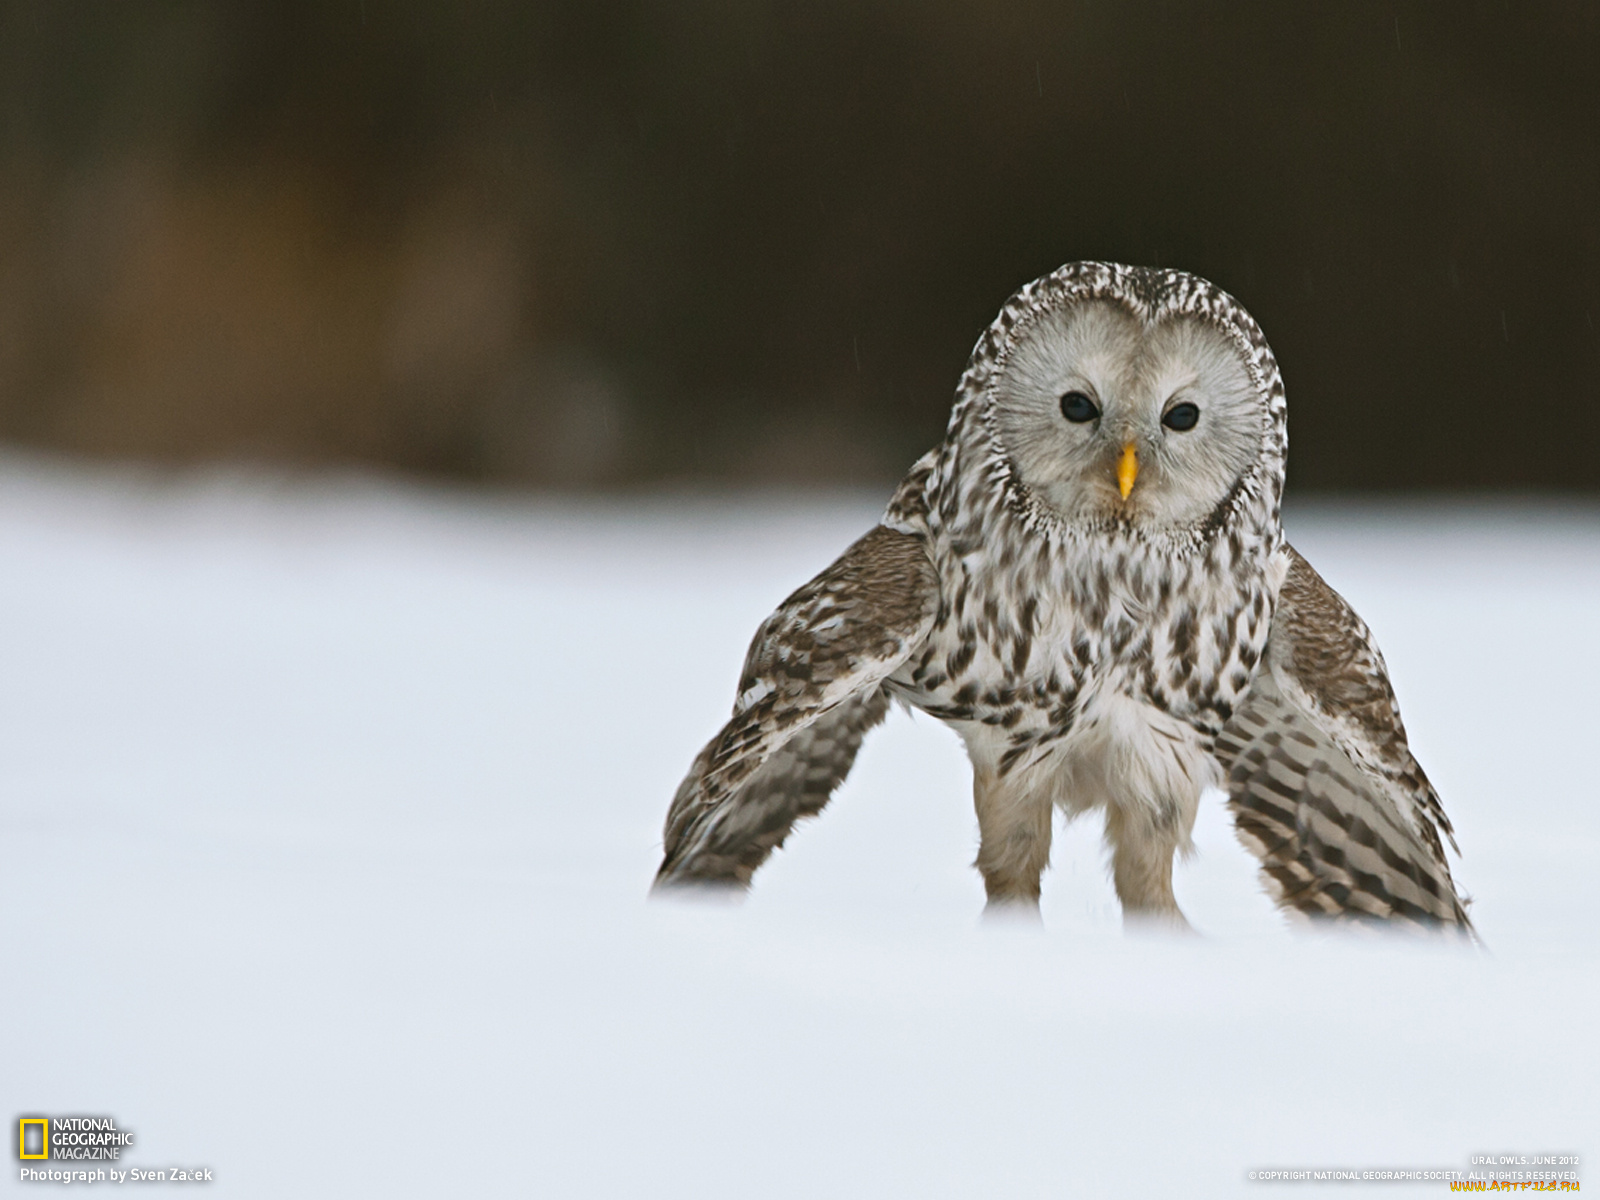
{"points": [[328, 807]]}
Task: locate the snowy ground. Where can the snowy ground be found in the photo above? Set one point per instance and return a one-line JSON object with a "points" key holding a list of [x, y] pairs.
{"points": [[328, 809]]}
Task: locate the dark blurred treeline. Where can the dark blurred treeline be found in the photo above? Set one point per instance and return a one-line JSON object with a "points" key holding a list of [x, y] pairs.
{"points": [[591, 243]]}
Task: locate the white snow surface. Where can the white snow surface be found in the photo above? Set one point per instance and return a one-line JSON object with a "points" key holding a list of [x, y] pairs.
{"points": [[329, 806]]}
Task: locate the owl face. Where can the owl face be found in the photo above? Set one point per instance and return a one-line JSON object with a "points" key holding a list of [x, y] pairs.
{"points": [[1110, 419]]}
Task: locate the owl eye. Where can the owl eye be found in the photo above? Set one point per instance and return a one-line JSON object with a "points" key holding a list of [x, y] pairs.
{"points": [[1078, 408], [1181, 417]]}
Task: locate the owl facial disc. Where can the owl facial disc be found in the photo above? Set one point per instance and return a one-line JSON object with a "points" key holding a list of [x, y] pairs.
{"points": [[1095, 394]]}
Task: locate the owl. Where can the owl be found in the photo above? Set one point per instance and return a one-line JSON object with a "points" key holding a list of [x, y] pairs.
{"points": [[1088, 581]]}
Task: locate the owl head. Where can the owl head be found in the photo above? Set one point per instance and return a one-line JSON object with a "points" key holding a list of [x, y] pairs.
{"points": [[1123, 397]]}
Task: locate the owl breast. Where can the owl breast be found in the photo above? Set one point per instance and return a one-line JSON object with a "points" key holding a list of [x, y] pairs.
{"points": [[1108, 673]]}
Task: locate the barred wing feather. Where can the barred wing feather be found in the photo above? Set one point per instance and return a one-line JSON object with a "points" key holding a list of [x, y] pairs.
{"points": [[810, 692], [1323, 787]]}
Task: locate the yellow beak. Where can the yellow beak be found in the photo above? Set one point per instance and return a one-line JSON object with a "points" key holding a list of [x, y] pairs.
{"points": [[1127, 469]]}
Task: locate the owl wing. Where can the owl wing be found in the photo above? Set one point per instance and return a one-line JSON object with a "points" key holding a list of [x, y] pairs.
{"points": [[811, 690], [1323, 787]]}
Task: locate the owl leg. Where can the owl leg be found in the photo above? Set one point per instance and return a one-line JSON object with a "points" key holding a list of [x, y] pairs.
{"points": [[1142, 850], [1014, 828]]}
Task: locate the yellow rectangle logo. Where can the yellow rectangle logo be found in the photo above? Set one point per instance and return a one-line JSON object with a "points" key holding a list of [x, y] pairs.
{"points": [[37, 1131]]}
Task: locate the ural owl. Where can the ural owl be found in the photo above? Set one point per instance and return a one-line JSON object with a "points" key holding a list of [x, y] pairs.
{"points": [[1088, 581]]}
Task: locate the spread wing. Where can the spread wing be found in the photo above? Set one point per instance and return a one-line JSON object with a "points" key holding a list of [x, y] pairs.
{"points": [[1323, 787], [811, 690]]}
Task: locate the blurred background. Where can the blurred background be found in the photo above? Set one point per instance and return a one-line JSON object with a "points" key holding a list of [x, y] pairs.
{"points": [[580, 244]]}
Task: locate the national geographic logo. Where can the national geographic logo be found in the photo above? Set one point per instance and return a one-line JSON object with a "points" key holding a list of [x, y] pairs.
{"points": [[70, 1138], [33, 1137]]}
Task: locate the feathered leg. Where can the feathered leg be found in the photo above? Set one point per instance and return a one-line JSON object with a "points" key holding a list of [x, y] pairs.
{"points": [[1014, 847], [1141, 864]]}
